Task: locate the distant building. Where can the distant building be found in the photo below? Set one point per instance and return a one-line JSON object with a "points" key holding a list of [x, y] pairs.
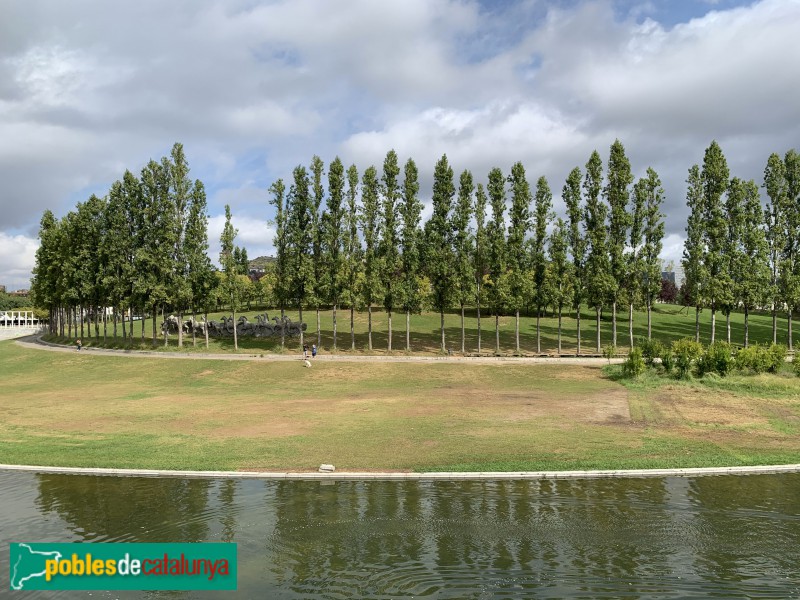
{"points": [[20, 293]]}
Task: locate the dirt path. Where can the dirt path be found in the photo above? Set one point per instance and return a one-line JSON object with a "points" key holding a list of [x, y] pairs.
{"points": [[35, 342]]}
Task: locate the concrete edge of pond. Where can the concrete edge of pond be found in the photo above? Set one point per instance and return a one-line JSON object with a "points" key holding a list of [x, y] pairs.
{"points": [[431, 476]]}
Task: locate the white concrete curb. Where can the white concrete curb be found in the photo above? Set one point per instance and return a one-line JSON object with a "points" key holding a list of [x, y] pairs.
{"points": [[431, 476]]}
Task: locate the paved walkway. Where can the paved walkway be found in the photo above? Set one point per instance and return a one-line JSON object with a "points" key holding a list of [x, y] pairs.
{"points": [[37, 343], [433, 476]]}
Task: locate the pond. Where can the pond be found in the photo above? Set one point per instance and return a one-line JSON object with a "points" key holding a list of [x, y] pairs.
{"points": [[710, 537]]}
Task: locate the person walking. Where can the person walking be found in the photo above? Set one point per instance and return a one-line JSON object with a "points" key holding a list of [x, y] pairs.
{"points": [[78, 344], [305, 351], [313, 351]]}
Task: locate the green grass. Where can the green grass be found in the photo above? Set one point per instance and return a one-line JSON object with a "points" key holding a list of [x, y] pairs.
{"points": [[76, 409], [669, 322]]}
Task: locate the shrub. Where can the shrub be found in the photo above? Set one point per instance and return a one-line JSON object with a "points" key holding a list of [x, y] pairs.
{"points": [[777, 356], [667, 359], [718, 359], [687, 351], [754, 358], [796, 363], [609, 350], [633, 365], [651, 350]]}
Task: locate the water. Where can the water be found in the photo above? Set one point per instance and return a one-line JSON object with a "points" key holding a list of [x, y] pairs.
{"points": [[707, 537]]}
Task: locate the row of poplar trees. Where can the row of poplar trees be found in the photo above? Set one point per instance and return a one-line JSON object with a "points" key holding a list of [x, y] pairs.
{"points": [[737, 255], [141, 247], [369, 247]]}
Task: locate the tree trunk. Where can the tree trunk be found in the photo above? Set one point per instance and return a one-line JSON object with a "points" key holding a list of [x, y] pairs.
{"points": [[789, 332], [334, 327], [369, 327], [496, 333], [194, 323], [124, 328], [352, 328], [559, 329], [319, 332], [180, 328], [713, 323], [614, 323], [141, 328], [205, 329], [538, 330], [649, 320], [728, 326], [479, 330], [746, 326], [96, 323], [408, 330], [302, 337], [441, 320], [697, 324], [389, 341], [166, 328], [283, 329], [235, 337], [598, 309], [81, 317], [105, 325], [578, 327], [153, 319], [115, 323], [462, 329], [630, 323]]}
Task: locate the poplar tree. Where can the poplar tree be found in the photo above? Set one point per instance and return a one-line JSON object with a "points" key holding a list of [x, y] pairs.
{"points": [[754, 270], [370, 215], [199, 273], [282, 289], [734, 211], [694, 267], [439, 241], [332, 239], [480, 256], [617, 195], [180, 192], [353, 253], [599, 281], [791, 253], [571, 194], [776, 229], [300, 241], [44, 282], [230, 283], [115, 249], [462, 246], [318, 288], [519, 225], [714, 177], [388, 247], [410, 244], [544, 215], [560, 272], [653, 236], [634, 283], [495, 234]]}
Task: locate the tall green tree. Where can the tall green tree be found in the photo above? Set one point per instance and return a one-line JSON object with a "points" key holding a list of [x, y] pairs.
{"points": [[333, 238], [617, 194], [231, 285], [518, 262], [694, 267], [560, 271], [388, 250], [370, 228], [353, 252], [734, 216], [541, 289], [318, 288], [776, 229], [653, 243], [481, 255], [180, 195], [300, 208], [497, 281], [462, 247], [599, 280], [411, 246], [791, 254], [439, 241], [571, 194], [634, 278], [282, 289], [199, 274], [714, 176], [754, 271], [44, 282]]}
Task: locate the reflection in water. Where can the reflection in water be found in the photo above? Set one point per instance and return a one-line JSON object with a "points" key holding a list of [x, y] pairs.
{"points": [[724, 537]]}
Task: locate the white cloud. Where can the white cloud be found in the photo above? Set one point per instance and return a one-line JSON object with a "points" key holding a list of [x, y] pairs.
{"points": [[18, 254]]}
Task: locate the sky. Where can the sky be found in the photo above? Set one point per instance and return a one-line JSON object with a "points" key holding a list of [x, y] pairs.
{"points": [[91, 88]]}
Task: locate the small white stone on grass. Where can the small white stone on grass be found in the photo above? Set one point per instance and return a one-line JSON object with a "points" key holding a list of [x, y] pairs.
{"points": [[327, 468]]}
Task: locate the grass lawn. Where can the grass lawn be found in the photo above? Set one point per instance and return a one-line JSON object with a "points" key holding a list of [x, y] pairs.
{"points": [[72, 409], [669, 322]]}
